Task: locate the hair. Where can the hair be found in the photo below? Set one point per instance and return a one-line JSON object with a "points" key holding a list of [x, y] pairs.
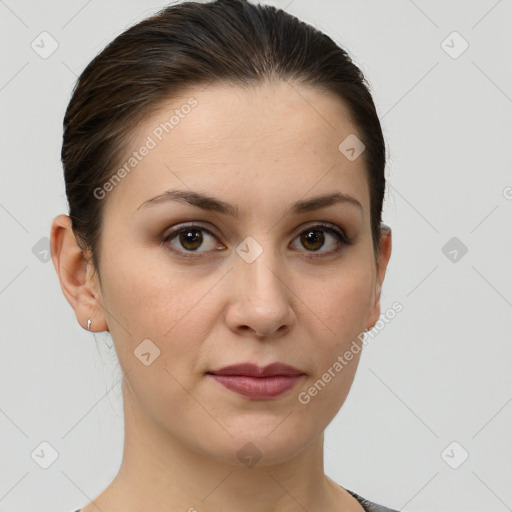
{"points": [[184, 45]]}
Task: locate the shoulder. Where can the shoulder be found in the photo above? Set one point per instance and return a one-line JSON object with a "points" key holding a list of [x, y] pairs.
{"points": [[369, 506]]}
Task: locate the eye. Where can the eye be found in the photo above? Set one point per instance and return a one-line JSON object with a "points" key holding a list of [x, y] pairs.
{"points": [[190, 238], [313, 238]]}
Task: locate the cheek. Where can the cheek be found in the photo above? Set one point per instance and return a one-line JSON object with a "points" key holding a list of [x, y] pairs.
{"points": [[165, 310], [149, 297], [343, 304], [169, 306]]}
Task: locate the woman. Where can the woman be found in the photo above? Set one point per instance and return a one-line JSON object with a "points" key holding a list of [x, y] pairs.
{"points": [[224, 167]]}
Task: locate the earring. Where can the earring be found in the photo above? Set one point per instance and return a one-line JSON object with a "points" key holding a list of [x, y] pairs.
{"points": [[89, 324]]}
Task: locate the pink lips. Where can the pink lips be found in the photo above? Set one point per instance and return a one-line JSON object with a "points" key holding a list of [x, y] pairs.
{"points": [[258, 383]]}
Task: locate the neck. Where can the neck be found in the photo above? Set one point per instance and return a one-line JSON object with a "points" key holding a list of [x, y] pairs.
{"points": [[161, 474]]}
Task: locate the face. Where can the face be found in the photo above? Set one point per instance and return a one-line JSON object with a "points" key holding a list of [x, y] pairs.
{"points": [[255, 273]]}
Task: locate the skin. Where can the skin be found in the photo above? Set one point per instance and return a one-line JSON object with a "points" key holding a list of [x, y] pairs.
{"points": [[260, 150]]}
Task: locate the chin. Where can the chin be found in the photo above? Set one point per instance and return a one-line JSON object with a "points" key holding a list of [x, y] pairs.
{"points": [[256, 446]]}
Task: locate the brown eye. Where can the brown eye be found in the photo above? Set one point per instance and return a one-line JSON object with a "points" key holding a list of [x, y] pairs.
{"points": [[189, 239], [316, 237], [312, 239]]}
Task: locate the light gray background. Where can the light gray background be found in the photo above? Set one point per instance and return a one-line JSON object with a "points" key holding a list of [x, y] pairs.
{"points": [[439, 372]]}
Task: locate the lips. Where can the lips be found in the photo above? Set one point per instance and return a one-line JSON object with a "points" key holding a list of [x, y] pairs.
{"points": [[258, 383], [252, 370]]}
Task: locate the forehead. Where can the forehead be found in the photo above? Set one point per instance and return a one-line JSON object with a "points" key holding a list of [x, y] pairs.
{"points": [[279, 112], [271, 139]]}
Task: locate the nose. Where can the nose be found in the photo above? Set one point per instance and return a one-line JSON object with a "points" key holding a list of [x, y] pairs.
{"points": [[260, 298]]}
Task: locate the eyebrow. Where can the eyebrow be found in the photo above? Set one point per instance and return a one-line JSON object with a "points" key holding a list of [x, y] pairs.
{"points": [[209, 203]]}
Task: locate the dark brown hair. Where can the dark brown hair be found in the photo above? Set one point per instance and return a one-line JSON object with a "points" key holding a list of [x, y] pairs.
{"points": [[189, 44]]}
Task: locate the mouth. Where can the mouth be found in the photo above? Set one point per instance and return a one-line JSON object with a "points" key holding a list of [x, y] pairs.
{"points": [[258, 383]]}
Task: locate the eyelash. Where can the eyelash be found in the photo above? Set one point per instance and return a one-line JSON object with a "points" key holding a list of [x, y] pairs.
{"points": [[340, 236]]}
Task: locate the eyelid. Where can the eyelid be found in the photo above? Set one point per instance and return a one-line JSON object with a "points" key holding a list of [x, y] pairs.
{"points": [[180, 227], [176, 230], [309, 225], [329, 226], [342, 238]]}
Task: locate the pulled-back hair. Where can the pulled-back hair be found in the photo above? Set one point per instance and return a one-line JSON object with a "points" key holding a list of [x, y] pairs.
{"points": [[186, 45]]}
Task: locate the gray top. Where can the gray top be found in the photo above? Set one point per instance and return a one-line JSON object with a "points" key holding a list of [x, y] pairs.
{"points": [[369, 506]]}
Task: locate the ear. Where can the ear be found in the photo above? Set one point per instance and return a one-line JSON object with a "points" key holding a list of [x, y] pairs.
{"points": [[76, 275], [382, 264]]}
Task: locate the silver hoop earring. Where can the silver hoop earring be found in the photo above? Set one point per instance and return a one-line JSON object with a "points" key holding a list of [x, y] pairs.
{"points": [[89, 324]]}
